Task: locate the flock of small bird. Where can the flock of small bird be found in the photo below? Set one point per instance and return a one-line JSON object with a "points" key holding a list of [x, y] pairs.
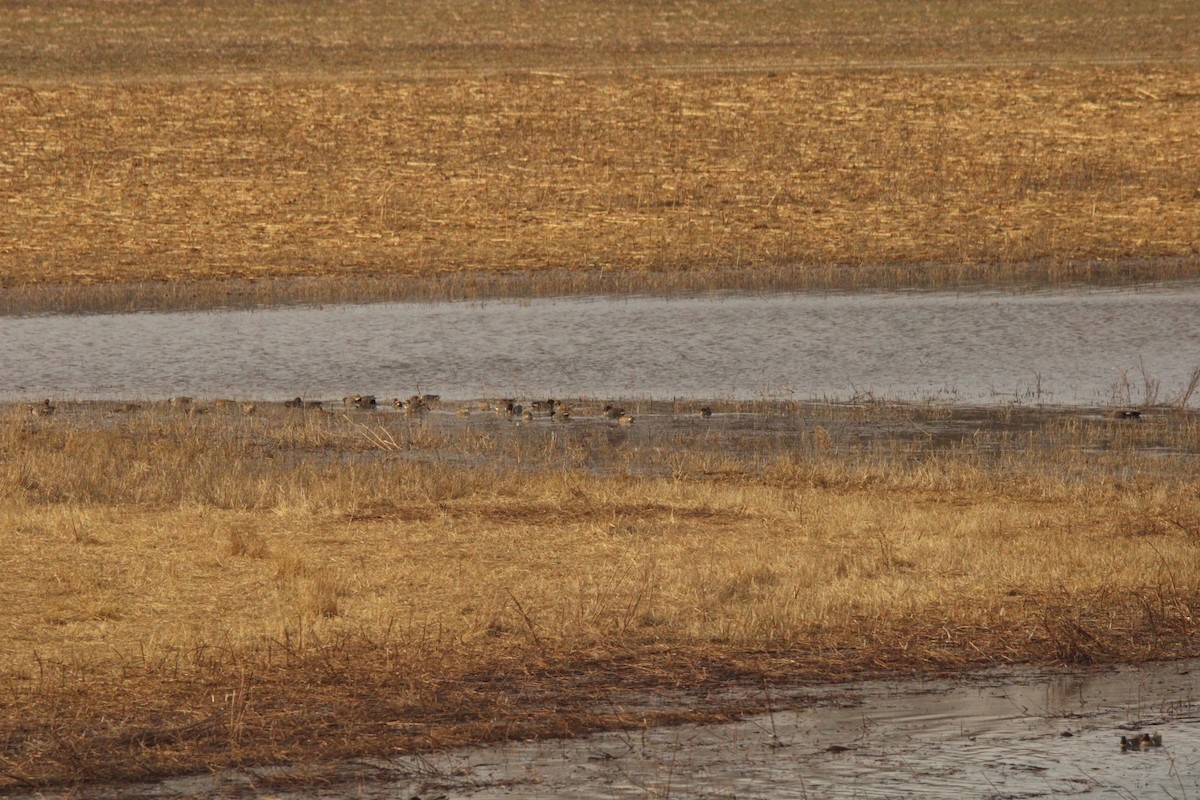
{"points": [[506, 406], [414, 405]]}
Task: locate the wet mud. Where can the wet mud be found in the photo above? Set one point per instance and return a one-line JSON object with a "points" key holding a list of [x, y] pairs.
{"points": [[666, 437], [1016, 733]]}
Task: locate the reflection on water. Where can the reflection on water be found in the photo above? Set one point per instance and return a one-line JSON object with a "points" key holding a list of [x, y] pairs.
{"points": [[1005, 734], [1072, 347], [1001, 738]]}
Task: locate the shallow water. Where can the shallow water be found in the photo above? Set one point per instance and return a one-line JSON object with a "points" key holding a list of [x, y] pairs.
{"points": [[1078, 347], [994, 737], [1005, 734]]}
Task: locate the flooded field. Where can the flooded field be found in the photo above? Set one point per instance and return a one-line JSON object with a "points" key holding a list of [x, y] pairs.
{"points": [[813, 447], [1078, 347], [663, 438], [1002, 734]]}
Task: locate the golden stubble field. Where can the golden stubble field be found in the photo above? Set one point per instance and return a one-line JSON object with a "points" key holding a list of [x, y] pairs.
{"points": [[207, 589], [664, 146]]}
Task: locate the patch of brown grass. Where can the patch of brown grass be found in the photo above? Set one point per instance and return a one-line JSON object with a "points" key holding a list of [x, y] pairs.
{"points": [[196, 591]]}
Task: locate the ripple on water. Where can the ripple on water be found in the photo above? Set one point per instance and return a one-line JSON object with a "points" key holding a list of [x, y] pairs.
{"points": [[1068, 347], [1000, 735]]}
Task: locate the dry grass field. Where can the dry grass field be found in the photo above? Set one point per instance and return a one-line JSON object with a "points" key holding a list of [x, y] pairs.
{"points": [[379, 148], [190, 591]]}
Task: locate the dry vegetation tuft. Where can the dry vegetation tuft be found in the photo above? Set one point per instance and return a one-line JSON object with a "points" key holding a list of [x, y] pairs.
{"points": [[197, 590], [633, 147]]}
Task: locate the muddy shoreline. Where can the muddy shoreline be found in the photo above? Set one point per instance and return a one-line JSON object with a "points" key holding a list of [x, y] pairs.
{"points": [[481, 285], [747, 434], [1014, 732]]}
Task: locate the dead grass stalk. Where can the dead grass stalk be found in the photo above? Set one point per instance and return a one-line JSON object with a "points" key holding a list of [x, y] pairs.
{"points": [[204, 590]]}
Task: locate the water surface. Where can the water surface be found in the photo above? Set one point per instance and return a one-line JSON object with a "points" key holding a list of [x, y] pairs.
{"points": [[1087, 346]]}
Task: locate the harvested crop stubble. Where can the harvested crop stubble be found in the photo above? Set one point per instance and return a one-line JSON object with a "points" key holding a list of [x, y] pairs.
{"points": [[699, 174]]}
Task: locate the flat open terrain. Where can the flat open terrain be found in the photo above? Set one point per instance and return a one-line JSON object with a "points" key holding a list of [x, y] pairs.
{"points": [[201, 586], [626, 146], [196, 587]]}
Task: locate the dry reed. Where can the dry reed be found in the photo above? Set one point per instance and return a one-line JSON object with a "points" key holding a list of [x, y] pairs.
{"points": [[210, 589]]}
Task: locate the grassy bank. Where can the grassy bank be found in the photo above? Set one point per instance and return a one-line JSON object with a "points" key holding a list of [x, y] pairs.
{"points": [[370, 152], [188, 591]]}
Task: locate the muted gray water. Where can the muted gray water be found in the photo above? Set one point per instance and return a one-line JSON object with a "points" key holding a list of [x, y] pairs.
{"points": [[1067, 347], [1007, 736]]}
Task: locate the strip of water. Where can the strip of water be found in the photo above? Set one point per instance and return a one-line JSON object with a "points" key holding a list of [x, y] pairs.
{"points": [[1074, 347]]}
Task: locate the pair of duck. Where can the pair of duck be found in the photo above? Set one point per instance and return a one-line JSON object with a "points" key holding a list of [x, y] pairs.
{"points": [[361, 402], [296, 402], [509, 406], [1143, 742], [617, 414], [417, 403], [42, 409]]}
